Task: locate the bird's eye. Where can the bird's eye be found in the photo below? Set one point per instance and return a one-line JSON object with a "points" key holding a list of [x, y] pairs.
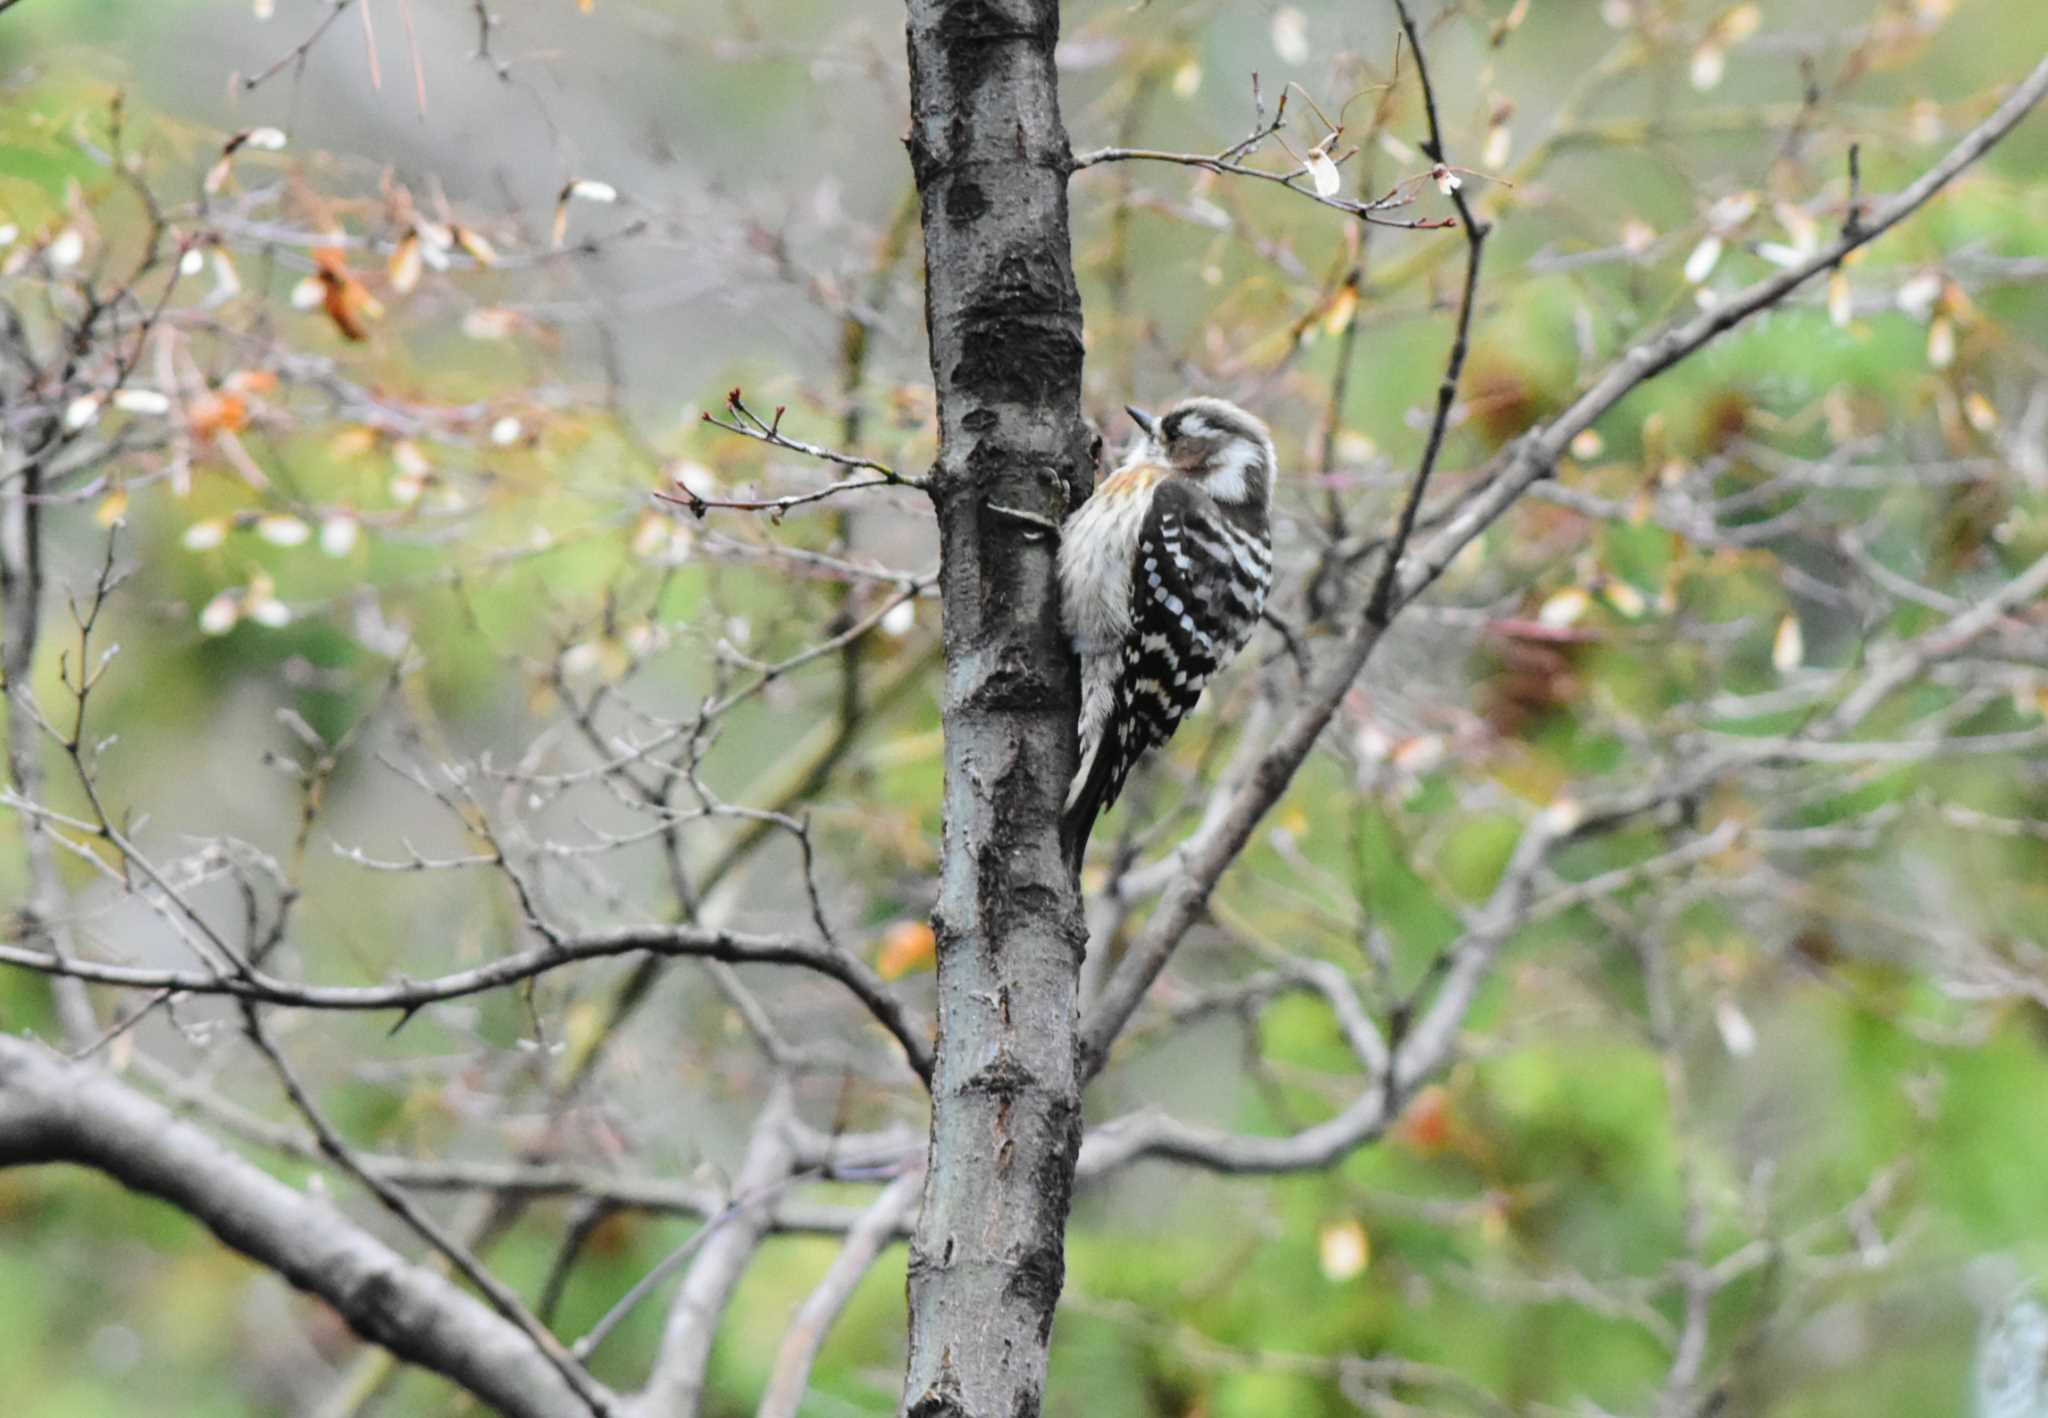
{"points": [[1171, 429]]}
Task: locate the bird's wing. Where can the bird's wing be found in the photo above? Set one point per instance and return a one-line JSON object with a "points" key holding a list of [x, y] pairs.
{"points": [[1175, 643]]}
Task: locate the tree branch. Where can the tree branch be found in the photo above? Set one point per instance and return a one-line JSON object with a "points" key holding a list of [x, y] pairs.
{"points": [[1531, 458], [502, 1297], [676, 1387], [877, 1228], [1380, 607], [53, 1111], [736, 947]]}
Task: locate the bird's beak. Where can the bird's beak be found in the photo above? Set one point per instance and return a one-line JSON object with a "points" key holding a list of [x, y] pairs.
{"points": [[1143, 420]]}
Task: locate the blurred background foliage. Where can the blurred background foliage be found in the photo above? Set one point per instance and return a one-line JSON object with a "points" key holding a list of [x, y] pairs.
{"points": [[464, 492]]}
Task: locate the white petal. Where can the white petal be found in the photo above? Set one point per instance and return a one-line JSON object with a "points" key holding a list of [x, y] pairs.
{"points": [[589, 189], [583, 658], [1563, 815], [141, 401], [271, 612], [338, 535], [1941, 342], [1704, 258], [1499, 143], [1709, 63], [205, 535], [1343, 1250], [220, 614], [1732, 210], [1564, 608], [1329, 182], [282, 530], [226, 284], [66, 250], [1917, 296], [1738, 1035], [1788, 646]]}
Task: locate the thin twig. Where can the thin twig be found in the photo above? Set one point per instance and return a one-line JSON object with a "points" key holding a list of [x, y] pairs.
{"points": [[299, 52], [1379, 610]]}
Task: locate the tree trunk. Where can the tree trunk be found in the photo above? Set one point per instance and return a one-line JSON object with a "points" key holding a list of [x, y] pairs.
{"points": [[1004, 318]]}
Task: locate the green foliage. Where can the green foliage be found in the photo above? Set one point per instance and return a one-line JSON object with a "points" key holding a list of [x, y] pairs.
{"points": [[1523, 1225]]}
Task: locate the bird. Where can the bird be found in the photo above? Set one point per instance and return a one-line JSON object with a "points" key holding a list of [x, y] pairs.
{"points": [[1163, 575]]}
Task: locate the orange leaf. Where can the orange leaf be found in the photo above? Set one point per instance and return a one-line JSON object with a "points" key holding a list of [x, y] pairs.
{"points": [[344, 298], [1425, 1128], [906, 946], [249, 381], [214, 413], [480, 250]]}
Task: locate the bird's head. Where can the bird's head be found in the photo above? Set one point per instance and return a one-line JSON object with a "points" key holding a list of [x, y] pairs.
{"points": [[1219, 445]]}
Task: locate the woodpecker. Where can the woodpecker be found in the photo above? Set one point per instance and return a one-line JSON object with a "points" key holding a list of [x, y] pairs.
{"points": [[1163, 574]]}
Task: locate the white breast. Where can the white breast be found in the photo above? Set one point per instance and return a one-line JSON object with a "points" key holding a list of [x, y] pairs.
{"points": [[1097, 549]]}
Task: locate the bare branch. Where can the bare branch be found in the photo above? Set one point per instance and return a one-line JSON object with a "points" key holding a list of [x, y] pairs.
{"points": [[52, 1111], [297, 55], [877, 1228], [1380, 607], [723, 1249], [730, 946], [1533, 457], [1229, 162], [502, 1297]]}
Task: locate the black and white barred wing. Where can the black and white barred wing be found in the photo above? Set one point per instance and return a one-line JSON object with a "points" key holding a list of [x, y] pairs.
{"points": [[1198, 584]]}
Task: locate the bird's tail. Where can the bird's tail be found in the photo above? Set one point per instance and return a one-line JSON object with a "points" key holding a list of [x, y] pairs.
{"points": [[1094, 789]]}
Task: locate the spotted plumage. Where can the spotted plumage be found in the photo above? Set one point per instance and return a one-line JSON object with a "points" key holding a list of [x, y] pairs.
{"points": [[1163, 574]]}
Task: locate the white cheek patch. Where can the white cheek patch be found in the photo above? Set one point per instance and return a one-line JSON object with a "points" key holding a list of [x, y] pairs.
{"points": [[1241, 467]]}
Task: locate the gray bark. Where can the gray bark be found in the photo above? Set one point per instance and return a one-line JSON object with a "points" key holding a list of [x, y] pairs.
{"points": [[1004, 318], [676, 1387]]}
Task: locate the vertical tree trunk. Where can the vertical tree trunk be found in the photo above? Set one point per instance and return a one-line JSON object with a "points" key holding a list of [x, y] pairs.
{"points": [[1004, 318]]}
